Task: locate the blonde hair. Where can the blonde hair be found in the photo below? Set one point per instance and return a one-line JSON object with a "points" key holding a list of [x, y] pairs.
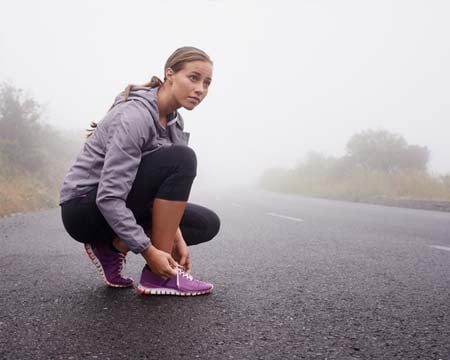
{"points": [[176, 62]]}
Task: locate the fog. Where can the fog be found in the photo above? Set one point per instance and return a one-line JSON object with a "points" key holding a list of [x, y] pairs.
{"points": [[289, 76]]}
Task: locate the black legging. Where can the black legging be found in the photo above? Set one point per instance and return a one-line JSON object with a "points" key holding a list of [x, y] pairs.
{"points": [[167, 173]]}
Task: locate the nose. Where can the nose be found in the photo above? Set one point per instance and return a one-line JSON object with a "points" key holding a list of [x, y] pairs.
{"points": [[200, 89]]}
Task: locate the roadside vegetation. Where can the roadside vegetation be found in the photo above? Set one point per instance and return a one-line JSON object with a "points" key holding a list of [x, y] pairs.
{"points": [[34, 157], [377, 165]]}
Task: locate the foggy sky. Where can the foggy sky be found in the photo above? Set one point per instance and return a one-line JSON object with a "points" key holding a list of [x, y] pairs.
{"points": [[289, 76]]}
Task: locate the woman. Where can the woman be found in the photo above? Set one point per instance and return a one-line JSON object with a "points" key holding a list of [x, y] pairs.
{"points": [[129, 186]]}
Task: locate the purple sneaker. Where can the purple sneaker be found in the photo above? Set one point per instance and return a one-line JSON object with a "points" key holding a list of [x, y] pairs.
{"points": [[109, 264], [183, 284]]}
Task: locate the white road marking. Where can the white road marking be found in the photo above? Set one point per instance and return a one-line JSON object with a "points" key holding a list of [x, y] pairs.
{"points": [[285, 217], [440, 247], [236, 205]]}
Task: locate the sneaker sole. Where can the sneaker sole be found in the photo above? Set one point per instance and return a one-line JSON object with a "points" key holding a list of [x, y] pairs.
{"points": [[96, 262], [165, 291]]}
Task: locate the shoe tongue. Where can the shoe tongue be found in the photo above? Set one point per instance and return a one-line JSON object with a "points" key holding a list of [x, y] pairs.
{"points": [[186, 275]]}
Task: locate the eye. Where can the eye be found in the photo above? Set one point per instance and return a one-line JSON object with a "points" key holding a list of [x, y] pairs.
{"points": [[193, 77], [207, 83]]}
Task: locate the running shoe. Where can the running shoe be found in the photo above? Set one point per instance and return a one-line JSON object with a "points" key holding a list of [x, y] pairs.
{"points": [[183, 284], [109, 264]]}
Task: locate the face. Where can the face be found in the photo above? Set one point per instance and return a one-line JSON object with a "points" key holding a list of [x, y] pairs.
{"points": [[190, 85]]}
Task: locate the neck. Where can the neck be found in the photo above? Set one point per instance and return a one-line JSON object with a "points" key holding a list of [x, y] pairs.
{"points": [[166, 104]]}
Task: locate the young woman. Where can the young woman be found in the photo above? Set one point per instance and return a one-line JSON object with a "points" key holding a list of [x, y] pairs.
{"points": [[129, 186]]}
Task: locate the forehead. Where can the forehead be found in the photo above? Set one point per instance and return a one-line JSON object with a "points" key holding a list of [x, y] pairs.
{"points": [[202, 67]]}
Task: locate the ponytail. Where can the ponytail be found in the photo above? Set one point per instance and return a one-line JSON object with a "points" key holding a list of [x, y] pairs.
{"points": [[153, 83], [90, 131], [176, 62]]}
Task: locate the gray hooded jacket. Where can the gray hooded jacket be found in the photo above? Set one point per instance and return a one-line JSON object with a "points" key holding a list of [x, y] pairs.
{"points": [[111, 156]]}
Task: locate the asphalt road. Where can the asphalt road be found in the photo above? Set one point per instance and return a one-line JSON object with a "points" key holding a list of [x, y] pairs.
{"points": [[295, 278]]}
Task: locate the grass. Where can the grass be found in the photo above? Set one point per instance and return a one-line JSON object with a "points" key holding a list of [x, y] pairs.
{"points": [[21, 194]]}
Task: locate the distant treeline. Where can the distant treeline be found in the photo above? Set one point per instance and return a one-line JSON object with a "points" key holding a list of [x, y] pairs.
{"points": [[34, 157], [377, 164]]}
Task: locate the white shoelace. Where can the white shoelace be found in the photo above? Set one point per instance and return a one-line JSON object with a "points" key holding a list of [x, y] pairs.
{"points": [[181, 272]]}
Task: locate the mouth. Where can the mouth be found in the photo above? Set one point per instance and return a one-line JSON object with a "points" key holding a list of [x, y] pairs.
{"points": [[194, 99]]}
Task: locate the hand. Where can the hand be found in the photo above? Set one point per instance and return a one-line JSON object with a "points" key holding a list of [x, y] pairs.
{"points": [[181, 254], [160, 262]]}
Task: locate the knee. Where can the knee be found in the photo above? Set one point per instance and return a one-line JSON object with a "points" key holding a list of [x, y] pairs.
{"points": [[199, 224], [186, 157], [213, 225]]}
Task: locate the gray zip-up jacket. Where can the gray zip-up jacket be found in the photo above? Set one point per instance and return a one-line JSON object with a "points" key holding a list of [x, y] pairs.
{"points": [[111, 156]]}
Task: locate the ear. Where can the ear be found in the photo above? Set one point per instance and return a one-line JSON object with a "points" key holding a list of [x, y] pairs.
{"points": [[169, 74]]}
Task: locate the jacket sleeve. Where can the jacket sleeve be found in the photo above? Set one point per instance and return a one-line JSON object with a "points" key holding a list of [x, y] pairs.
{"points": [[122, 159]]}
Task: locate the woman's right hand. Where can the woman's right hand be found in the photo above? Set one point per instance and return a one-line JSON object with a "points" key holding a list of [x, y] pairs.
{"points": [[160, 262]]}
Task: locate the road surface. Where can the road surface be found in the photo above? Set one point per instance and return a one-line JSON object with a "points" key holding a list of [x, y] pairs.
{"points": [[295, 278]]}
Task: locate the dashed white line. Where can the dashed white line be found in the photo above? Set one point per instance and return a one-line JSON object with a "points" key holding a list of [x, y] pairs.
{"points": [[236, 205], [285, 217], [440, 247]]}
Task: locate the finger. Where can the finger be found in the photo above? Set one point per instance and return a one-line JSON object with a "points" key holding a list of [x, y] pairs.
{"points": [[166, 272], [172, 262], [183, 260], [171, 272], [163, 273]]}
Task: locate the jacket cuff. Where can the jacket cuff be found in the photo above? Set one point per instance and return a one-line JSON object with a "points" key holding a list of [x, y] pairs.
{"points": [[139, 247]]}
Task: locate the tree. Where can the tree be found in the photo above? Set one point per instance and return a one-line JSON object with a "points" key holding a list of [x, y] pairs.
{"points": [[19, 132], [384, 151]]}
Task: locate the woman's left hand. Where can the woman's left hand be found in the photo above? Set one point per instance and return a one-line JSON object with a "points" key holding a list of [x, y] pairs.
{"points": [[181, 253]]}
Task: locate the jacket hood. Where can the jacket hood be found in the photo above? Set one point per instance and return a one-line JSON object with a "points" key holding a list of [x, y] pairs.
{"points": [[149, 98]]}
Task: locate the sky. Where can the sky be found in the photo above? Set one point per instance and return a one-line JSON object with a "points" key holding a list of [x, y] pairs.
{"points": [[289, 76]]}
